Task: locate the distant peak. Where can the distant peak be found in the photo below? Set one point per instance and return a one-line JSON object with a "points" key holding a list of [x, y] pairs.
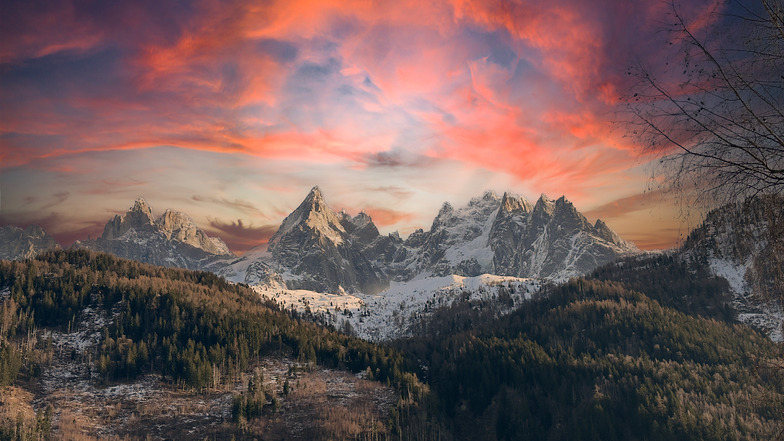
{"points": [[314, 199], [139, 216], [490, 195], [171, 220], [511, 202], [544, 204], [362, 219], [562, 201], [141, 206], [35, 230], [315, 192]]}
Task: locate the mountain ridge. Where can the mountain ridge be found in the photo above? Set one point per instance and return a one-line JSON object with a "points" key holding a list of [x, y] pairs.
{"points": [[173, 239], [318, 249]]}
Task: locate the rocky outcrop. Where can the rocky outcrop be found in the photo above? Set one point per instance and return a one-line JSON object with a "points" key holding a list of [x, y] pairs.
{"points": [[171, 240]]}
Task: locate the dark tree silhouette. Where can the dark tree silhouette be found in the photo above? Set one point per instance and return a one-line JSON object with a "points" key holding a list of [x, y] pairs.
{"points": [[713, 112]]}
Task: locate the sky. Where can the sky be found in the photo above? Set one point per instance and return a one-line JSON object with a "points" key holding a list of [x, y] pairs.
{"points": [[231, 111]]}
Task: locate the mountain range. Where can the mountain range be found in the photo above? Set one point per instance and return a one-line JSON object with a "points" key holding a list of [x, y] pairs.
{"points": [[317, 251], [173, 239]]}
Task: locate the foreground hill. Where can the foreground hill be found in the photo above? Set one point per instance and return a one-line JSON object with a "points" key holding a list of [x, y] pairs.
{"points": [[593, 360], [744, 244], [730, 268], [93, 344], [85, 332]]}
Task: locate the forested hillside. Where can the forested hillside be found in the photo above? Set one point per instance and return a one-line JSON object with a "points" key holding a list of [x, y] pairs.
{"points": [[193, 328], [595, 360], [686, 285]]}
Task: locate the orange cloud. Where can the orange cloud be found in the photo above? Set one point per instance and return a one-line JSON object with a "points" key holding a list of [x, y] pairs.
{"points": [[384, 217]]}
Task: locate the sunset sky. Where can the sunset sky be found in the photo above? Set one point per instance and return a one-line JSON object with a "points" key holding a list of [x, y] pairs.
{"points": [[232, 111]]}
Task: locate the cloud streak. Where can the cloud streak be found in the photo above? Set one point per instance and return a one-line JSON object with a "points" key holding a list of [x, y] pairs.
{"points": [[240, 237]]}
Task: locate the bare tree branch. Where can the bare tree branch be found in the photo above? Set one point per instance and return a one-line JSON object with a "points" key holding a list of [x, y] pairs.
{"points": [[714, 113]]}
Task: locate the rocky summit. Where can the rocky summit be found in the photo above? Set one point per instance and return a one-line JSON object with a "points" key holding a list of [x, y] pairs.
{"points": [[171, 240], [321, 250]]}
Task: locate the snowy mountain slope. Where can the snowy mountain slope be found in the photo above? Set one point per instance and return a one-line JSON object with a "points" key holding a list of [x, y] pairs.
{"points": [[744, 244], [510, 236], [171, 240], [391, 313], [457, 242], [19, 244]]}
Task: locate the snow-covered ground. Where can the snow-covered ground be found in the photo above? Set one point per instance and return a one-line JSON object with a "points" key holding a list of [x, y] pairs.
{"points": [[758, 313], [390, 314]]}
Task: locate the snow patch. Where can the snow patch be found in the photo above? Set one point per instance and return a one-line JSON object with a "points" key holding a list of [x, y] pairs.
{"points": [[391, 313], [734, 274], [755, 312]]}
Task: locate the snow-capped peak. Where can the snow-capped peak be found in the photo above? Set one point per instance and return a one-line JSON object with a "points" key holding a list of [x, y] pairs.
{"points": [[487, 196], [312, 214], [445, 209], [511, 202], [545, 204]]}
